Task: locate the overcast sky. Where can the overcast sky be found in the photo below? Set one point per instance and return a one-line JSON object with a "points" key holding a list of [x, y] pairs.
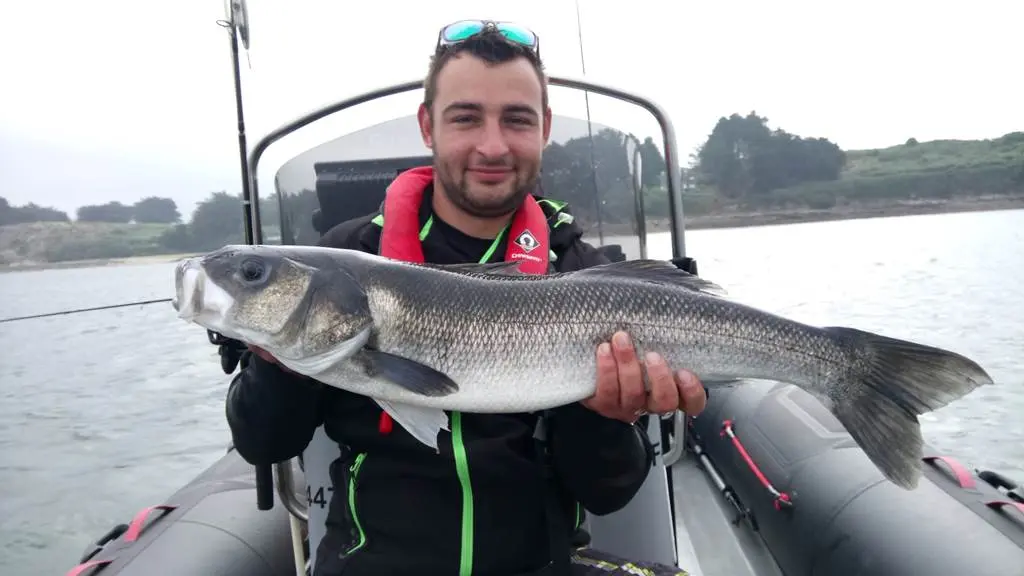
{"points": [[117, 99]]}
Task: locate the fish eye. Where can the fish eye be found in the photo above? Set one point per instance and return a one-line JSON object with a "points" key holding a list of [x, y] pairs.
{"points": [[252, 270]]}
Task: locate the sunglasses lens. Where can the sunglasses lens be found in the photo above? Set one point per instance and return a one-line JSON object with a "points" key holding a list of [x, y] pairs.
{"points": [[459, 31], [518, 34]]}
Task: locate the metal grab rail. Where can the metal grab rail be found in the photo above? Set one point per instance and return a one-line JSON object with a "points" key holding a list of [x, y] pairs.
{"points": [[286, 491], [250, 199], [675, 451]]}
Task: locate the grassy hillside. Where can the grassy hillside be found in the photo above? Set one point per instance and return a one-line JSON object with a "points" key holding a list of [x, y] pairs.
{"points": [[937, 170], [936, 155], [41, 242]]}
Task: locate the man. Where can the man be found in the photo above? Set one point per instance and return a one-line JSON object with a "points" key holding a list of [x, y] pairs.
{"points": [[494, 500]]}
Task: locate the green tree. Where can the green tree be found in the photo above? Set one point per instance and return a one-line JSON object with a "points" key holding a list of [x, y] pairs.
{"points": [[594, 177], [30, 212], [176, 238], [217, 221], [652, 164], [154, 210], [725, 159], [110, 212], [742, 157]]}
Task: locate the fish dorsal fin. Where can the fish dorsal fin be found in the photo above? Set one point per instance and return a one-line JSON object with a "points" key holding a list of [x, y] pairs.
{"points": [[656, 271], [477, 269]]}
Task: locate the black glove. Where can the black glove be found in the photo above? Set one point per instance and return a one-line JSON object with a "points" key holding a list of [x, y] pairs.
{"points": [[232, 352]]}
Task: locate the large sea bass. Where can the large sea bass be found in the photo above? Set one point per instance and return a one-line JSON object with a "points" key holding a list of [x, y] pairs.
{"points": [[421, 339]]}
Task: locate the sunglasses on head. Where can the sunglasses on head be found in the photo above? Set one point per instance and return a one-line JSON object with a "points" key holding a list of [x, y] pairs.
{"points": [[458, 32]]}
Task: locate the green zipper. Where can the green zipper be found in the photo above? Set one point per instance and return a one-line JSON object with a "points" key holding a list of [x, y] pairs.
{"points": [[462, 463], [462, 468], [354, 472]]}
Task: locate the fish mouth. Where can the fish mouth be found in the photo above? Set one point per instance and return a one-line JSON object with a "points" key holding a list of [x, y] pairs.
{"points": [[188, 289], [198, 298]]}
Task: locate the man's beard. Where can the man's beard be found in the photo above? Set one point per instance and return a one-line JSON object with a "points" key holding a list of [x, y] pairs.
{"points": [[490, 207]]}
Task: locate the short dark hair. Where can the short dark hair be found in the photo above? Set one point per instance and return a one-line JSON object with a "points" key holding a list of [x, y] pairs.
{"points": [[489, 46]]}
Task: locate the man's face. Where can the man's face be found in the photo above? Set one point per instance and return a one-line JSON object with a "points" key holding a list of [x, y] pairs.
{"points": [[487, 130]]}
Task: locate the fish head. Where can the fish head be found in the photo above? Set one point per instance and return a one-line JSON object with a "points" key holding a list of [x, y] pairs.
{"points": [[293, 305]]}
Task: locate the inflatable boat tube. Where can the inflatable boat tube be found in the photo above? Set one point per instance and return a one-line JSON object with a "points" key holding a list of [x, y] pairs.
{"points": [[823, 509], [211, 526]]}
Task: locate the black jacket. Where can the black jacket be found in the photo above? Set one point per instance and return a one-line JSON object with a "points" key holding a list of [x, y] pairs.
{"points": [[399, 506]]}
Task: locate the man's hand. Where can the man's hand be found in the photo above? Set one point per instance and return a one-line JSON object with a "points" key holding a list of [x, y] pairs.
{"points": [[620, 390]]}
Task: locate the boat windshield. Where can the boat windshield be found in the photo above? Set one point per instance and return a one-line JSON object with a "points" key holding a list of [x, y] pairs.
{"points": [[610, 169]]}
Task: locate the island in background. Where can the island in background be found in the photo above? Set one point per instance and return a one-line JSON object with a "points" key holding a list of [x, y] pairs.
{"points": [[745, 174]]}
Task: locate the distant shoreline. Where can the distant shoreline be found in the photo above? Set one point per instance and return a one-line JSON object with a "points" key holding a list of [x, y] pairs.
{"points": [[701, 222], [723, 220], [94, 263], [855, 212]]}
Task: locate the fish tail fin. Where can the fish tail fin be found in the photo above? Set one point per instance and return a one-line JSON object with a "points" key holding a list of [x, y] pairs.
{"points": [[900, 381]]}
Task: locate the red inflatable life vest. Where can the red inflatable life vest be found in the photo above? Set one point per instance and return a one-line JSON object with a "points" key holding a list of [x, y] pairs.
{"points": [[528, 240]]}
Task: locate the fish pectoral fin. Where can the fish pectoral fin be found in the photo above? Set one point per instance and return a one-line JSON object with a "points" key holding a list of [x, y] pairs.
{"points": [[421, 423], [407, 374], [656, 271]]}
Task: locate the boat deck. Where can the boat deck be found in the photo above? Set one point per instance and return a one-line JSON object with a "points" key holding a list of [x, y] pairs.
{"points": [[709, 543]]}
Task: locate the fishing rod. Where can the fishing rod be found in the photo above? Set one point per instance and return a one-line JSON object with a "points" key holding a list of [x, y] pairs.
{"points": [[590, 129], [80, 310], [237, 25]]}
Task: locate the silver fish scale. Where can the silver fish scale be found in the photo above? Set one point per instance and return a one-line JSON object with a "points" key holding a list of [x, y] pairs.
{"points": [[516, 345]]}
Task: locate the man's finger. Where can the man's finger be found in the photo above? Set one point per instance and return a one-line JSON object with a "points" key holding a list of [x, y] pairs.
{"points": [[606, 395], [664, 392], [631, 377], [691, 392]]}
